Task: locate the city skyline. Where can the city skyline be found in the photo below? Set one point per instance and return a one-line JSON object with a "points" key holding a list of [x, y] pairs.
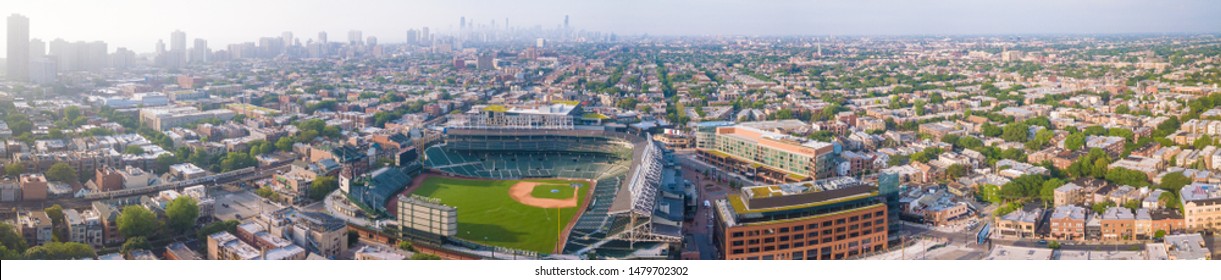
{"points": [[228, 23], [603, 131]]}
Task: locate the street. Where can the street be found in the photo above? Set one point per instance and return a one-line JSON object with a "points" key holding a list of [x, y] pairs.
{"points": [[707, 190]]}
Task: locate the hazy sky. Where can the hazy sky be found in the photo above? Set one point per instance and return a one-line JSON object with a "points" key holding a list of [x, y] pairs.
{"points": [[138, 24]]}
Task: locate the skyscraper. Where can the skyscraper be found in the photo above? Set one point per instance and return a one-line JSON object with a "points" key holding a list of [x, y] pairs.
{"points": [[18, 48], [288, 38], [424, 36], [413, 37], [93, 55], [178, 49], [122, 58], [43, 69], [322, 37], [565, 22], [199, 54], [178, 41], [38, 49], [65, 54], [355, 37], [462, 23], [160, 46]]}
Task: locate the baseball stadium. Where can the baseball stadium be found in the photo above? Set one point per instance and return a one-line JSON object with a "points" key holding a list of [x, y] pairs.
{"points": [[542, 192]]}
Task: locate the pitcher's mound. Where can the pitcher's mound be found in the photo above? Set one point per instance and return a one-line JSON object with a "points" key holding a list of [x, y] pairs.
{"points": [[521, 193]]}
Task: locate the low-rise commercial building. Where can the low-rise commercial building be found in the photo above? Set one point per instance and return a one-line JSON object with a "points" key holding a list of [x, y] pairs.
{"points": [[1068, 194], [767, 156], [835, 218], [162, 118], [35, 227], [1187, 247], [225, 246], [1201, 206], [1068, 222], [1018, 224]]}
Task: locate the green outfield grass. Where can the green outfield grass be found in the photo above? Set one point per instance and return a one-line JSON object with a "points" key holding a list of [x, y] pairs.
{"points": [[564, 191], [487, 215]]}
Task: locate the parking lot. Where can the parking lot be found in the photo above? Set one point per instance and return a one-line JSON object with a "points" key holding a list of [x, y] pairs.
{"points": [[240, 205]]}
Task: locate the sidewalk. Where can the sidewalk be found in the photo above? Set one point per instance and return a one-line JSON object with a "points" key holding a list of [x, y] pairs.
{"points": [[914, 251]]}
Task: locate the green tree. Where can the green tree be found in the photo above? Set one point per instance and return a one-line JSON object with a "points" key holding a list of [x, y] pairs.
{"points": [[406, 246], [969, 142], [991, 130], [1124, 176], [1007, 208], [1100, 167], [331, 131], [990, 193], [1132, 204], [627, 103], [134, 150], [136, 220], [9, 254], [135, 243], [897, 160], [420, 256], [1170, 200], [60, 229], [14, 169], [1054, 245], [10, 239], [1015, 132], [1041, 139], [1174, 181], [921, 156], [71, 113], [61, 172], [237, 160], [60, 251], [1122, 109], [1124, 133], [1202, 141], [268, 193], [1095, 130], [1102, 207], [1047, 192], [322, 186], [181, 214], [163, 162], [936, 98], [284, 144], [1074, 141], [215, 227], [1159, 234], [956, 171]]}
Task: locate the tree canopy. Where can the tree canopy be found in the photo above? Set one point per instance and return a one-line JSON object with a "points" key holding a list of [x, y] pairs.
{"points": [[321, 186], [61, 172], [1015, 132], [14, 169], [135, 243], [215, 227], [12, 242], [422, 256], [181, 214], [237, 160], [136, 220], [60, 251]]}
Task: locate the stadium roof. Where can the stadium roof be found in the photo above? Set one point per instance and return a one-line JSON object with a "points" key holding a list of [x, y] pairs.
{"points": [[640, 193]]}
